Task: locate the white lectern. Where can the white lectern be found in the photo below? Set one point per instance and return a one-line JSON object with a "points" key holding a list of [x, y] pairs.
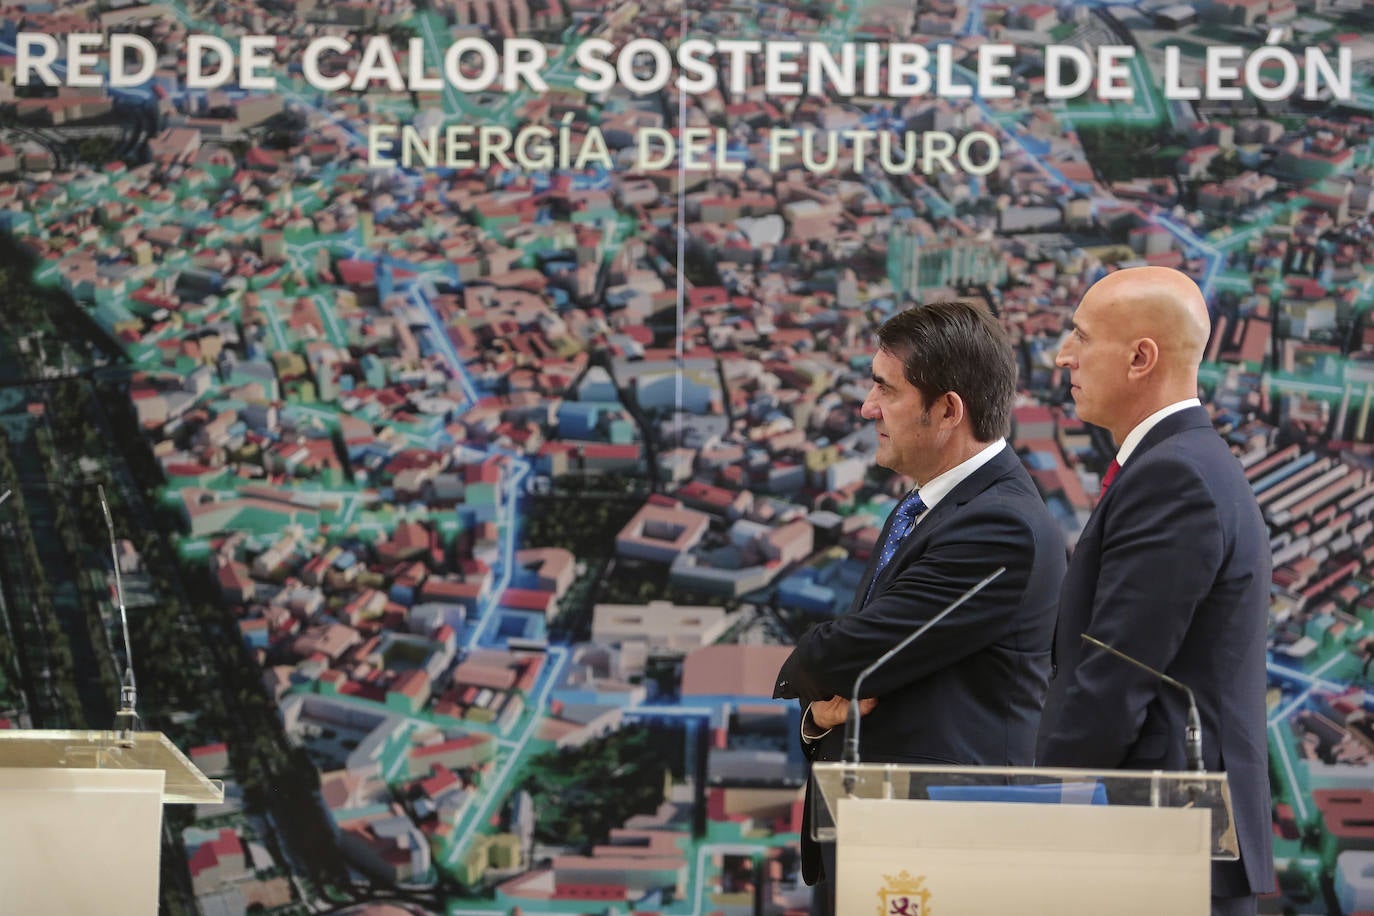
{"points": [[913, 840], [81, 818]]}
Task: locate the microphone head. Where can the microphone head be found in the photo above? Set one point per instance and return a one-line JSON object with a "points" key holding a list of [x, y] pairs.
{"points": [[105, 507]]}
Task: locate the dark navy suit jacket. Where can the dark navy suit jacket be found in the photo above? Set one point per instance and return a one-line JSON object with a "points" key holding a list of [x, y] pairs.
{"points": [[1173, 569], [969, 690]]}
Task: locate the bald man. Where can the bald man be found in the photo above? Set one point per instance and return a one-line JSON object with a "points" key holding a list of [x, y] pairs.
{"points": [[1172, 568]]}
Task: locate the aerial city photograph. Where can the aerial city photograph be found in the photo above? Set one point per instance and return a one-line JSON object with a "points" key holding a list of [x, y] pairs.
{"points": [[477, 388]]}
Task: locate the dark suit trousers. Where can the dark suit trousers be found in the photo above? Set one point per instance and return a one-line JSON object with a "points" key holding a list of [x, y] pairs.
{"points": [[823, 891], [1235, 906]]}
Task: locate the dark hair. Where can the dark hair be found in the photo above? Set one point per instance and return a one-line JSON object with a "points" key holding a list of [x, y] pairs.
{"points": [[959, 347]]}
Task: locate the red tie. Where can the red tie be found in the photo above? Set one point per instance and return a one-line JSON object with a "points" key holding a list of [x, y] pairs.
{"points": [[1112, 470]]}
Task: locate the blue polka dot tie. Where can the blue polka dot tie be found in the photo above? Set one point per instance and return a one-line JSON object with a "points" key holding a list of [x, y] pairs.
{"points": [[904, 518]]}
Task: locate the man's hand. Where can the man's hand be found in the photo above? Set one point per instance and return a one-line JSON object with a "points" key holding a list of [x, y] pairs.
{"points": [[828, 714]]}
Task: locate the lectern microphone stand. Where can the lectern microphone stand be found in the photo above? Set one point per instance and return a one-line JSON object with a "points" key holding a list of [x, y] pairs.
{"points": [[81, 819]]}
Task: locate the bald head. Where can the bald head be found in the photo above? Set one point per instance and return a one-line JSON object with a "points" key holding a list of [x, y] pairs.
{"points": [[1158, 303], [1137, 341]]}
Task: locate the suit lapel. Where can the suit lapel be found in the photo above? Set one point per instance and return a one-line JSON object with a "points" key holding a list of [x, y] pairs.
{"points": [[1000, 465], [1172, 425]]}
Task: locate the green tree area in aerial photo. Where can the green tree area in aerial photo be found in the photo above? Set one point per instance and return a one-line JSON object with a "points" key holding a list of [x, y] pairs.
{"points": [[581, 793]]}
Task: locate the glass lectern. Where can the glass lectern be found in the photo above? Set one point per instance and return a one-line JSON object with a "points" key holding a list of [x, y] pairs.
{"points": [[912, 840], [82, 818]]}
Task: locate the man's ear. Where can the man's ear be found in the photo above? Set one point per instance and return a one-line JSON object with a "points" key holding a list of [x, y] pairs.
{"points": [[950, 409], [1144, 357]]}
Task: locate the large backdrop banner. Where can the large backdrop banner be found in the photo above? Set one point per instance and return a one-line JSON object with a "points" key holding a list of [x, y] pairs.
{"points": [[475, 386]]}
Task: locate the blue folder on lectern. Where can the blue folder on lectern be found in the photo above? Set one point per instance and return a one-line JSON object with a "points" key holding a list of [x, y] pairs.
{"points": [[1069, 793]]}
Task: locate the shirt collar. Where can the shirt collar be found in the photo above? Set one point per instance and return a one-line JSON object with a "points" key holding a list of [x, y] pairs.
{"points": [[1143, 428], [939, 487]]}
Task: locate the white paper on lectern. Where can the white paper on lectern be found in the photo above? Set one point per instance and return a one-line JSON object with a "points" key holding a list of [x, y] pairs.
{"points": [[80, 841], [900, 857]]}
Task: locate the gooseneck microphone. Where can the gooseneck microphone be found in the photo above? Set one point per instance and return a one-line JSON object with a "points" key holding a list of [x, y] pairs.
{"points": [[1192, 733], [126, 718], [851, 722]]}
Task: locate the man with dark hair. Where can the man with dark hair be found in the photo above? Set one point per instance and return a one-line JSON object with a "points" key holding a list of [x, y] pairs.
{"points": [[956, 347], [969, 690], [1172, 568]]}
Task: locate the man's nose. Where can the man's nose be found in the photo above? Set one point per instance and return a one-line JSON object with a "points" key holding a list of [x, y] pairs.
{"points": [[1064, 357]]}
